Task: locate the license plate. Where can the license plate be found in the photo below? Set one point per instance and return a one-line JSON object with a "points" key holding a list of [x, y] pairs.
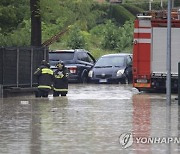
{"points": [[141, 80], [103, 80]]}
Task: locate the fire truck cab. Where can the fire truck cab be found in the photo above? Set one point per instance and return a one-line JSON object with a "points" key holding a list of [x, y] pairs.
{"points": [[150, 50]]}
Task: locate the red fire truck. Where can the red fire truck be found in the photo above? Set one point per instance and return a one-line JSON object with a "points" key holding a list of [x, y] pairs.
{"points": [[150, 51]]}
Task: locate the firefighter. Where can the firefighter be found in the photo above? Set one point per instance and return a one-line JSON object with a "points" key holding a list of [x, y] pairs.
{"points": [[61, 80], [45, 77]]}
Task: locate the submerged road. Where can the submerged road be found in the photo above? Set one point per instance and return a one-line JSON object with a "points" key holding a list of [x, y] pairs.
{"points": [[92, 119]]}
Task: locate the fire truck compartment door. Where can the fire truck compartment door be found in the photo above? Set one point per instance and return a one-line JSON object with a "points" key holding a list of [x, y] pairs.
{"points": [[159, 50]]}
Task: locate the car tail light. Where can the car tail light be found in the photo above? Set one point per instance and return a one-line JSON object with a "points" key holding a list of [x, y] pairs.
{"points": [[73, 69]]}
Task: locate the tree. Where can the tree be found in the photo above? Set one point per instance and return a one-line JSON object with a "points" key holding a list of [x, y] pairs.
{"points": [[12, 13], [110, 36], [76, 40], [118, 38], [176, 3]]}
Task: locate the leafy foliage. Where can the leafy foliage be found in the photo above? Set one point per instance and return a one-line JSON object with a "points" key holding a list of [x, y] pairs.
{"points": [[20, 37], [125, 38], [76, 39], [120, 14], [94, 26], [110, 36], [132, 8], [118, 38], [12, 13]]}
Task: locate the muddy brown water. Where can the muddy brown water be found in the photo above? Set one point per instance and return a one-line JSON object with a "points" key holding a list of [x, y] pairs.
{"points": [[92, 119]]}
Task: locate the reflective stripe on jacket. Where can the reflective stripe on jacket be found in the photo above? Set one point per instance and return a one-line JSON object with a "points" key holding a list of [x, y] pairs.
{"points": [[44, 87], [59, 76], [45, 77], [55, 89], [47, 71], [61, 80]]}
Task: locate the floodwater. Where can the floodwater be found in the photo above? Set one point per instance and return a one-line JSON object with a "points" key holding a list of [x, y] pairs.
{"points": [[92, 119]]}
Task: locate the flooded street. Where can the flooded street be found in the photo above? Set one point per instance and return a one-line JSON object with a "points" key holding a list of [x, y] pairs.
{"points": [[92, 119]]}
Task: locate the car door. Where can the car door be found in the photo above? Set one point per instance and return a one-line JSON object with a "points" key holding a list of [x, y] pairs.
{"points": [[129, 67], [85, 63], [85, 60]]}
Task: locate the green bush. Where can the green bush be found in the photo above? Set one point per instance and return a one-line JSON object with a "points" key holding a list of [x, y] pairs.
{"points": [[110, 36], [98, 30], [120, 14], [118, 38], [20, 37], [133, 9], [76, 40], [125, 38]]}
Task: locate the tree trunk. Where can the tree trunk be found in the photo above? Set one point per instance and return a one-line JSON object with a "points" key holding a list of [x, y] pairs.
{"points": [[35, 23]]}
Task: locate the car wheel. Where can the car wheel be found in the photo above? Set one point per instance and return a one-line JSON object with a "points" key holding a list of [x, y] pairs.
{"points": [[125, 81], [84, 79]]}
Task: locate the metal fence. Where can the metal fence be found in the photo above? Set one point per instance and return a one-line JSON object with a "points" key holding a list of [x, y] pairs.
{"points": [[17, 65]]}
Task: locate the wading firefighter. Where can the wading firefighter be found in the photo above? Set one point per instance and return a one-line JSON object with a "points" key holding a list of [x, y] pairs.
{"points": [[45, 77], [61, 80]]}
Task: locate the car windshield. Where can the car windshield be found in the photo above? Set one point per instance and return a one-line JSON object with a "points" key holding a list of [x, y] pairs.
{"points": [[61, 56], [112, 61]]}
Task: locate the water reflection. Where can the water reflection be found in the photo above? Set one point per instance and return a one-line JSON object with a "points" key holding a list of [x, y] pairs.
{"points": [[141, 121], [153, 119], [89, 120], [45, 118]]}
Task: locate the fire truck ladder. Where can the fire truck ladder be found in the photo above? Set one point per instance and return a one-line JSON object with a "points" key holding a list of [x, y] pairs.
{"points": [[55, 37], [162, 14]]}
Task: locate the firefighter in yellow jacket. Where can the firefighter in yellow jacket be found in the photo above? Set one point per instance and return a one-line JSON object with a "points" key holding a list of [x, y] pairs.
{"points": [[45, 77], [61, 80]]}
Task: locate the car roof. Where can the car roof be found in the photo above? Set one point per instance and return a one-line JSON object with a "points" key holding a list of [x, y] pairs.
{"points": [[117, 54], [68, 50]]}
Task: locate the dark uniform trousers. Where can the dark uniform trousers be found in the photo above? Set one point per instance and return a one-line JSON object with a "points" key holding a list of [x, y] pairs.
{"points": [[60, 82]]}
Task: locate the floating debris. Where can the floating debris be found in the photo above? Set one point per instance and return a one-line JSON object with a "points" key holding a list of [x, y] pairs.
{"points": [[24, 102]]}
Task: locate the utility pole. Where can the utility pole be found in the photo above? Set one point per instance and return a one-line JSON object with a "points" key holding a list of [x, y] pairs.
{"points": [[161, 3], [35, 23], [150, 5], [168, 79]]}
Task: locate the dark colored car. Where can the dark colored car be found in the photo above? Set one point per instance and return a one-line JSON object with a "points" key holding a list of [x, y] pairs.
{"points": [[112, 68], [78, 61]]}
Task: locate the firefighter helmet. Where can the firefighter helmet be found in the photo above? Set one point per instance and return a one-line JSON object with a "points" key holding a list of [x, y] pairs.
{"points": [[44, 62], [60, 64]]}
